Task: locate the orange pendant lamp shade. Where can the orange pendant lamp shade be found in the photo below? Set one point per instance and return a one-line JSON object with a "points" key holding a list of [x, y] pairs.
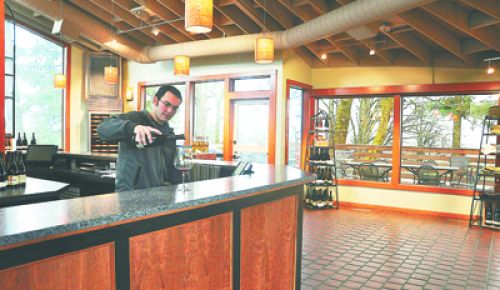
{"points": [[110, 75], [181, 65], [198, 16], [264, 50], [59, 81]]}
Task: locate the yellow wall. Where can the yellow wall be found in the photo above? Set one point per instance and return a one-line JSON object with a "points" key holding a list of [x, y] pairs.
{"points": [[162, 71], [78, 106], [290, 66], [425, 201], [383, 76]]}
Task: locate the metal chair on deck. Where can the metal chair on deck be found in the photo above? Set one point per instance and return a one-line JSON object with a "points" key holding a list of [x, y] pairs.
{"points": [[428, 175], [368, 171], [464, 171]]}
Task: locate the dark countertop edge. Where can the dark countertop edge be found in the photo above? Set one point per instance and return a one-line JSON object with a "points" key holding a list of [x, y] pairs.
{"points": [[33, 236]]}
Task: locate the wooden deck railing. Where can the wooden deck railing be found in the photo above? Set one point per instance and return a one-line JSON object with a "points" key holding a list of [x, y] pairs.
{"points": [[410, 155]]}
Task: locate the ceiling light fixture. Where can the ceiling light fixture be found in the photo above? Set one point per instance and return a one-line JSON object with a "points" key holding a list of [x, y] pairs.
{"points": [[181, 65], [110, 71], [323, 56], [155, 30], [372, 51], [198, 16], [264, 46], [491, 69], [60, 78]]}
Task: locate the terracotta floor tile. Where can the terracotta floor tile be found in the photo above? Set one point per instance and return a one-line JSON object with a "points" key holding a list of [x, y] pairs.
{"points": [[371, 249]]}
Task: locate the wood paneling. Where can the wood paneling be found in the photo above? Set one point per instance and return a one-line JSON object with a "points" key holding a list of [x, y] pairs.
{"points": [[196, 255], [268, 243], [92, 268]]}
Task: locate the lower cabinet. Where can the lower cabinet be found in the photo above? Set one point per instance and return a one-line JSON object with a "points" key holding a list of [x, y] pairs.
{"points": [[195, 255], [87, 269], [253, 244]]}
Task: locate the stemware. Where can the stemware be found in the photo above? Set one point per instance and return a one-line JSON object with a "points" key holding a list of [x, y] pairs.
{"points": [[183, 162]]}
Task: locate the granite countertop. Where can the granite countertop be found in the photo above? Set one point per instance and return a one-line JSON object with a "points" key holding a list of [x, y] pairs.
{"points": [[34, 221], [33, 186]]}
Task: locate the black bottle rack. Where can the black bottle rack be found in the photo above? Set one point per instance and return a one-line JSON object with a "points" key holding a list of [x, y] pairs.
{"points": [[322, 193]]}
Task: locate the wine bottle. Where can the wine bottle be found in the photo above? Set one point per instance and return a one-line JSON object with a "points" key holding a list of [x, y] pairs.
{"points": [[11, 170], [3, 173], [330, 199], [21, 168], [307, 199], [327, 123], [25, 140], [488, 214], [33, 139], [159, 140], [19, 141]]}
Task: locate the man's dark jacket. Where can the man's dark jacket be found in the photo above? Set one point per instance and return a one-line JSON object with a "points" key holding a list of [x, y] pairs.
{"points": [[139, 168]]}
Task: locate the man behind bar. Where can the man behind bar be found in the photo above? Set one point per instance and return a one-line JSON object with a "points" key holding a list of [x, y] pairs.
{"points": [[152, 165]]}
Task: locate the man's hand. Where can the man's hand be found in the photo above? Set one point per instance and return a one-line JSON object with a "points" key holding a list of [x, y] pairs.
{"points": [[143, 134]]}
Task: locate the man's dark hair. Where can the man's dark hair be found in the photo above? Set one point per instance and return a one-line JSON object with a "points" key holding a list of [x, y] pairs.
{"points": [[168, 88]]}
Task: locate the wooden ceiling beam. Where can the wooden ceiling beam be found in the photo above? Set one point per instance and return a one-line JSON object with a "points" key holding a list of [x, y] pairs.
{"points": [[125, 15], [424, 24], [471, 46], [276, 11], [459, 18], [166, 14], [350, 53], [411, 44], [480, 20], [305, 54], [144, 38], [386, 55], [318, 5], [167, 29], [239, 18], [488, 7], [281, 17]]}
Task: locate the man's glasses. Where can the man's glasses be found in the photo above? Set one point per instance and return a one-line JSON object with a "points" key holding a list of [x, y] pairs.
{"points": [[169, 105]]}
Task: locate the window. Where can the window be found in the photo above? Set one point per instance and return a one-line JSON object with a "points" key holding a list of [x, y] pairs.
{"points": [[254, 83], [177, 122], [442, 133], [30, 86], [209, 113], [363, 136], [295, 126]]}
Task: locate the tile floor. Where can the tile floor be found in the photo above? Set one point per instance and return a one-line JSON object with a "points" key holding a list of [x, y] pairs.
{"points": [[370, 249]]}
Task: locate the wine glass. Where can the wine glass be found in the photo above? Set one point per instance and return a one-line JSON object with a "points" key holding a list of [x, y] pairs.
{"points": [[183, 162]]}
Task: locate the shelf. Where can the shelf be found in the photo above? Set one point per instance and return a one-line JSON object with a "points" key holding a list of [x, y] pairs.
{"points": [[489, 173], [319, 130], [322, 147], [321, 183], [321, 162], [493, 227], [489, 197]]}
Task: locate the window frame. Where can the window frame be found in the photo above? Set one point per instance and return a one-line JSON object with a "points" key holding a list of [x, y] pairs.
{"points": [[229, 96], [305, 117], [397, 92], [65, 93]]}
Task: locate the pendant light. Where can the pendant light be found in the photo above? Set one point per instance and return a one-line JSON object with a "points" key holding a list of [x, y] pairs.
{"points": [[181, 65], [60, 78], [198, 16], [110, 71], [264, 46]]}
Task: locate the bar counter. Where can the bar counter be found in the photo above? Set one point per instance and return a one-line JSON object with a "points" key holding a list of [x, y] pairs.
{"points": [[35, 190], [228, 233]]}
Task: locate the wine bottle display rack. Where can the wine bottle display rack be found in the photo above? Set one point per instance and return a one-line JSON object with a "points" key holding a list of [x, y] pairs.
{"points": [[320, 160], [486, 183], [97, 145]]}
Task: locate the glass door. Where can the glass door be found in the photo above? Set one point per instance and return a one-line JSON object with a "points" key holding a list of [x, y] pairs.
{"points": [[251, 130]]}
